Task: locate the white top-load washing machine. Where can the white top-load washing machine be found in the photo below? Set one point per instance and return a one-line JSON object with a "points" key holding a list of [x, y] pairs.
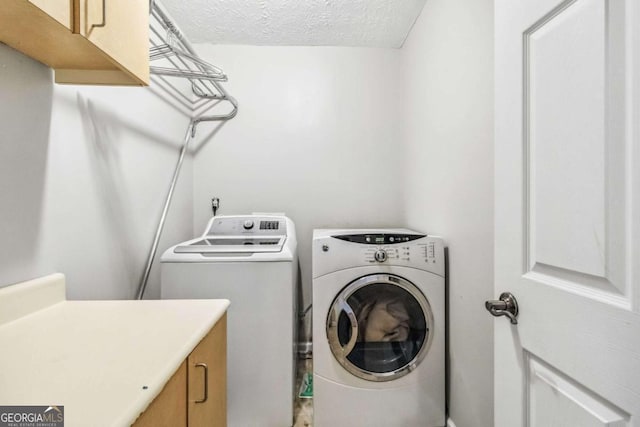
{"points": [[378, 328], [252, 261]]}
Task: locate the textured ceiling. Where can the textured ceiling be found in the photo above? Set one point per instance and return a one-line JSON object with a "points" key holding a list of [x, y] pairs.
{"points": [[373, 23]]}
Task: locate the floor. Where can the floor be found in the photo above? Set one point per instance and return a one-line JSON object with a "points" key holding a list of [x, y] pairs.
{"points": [[303, 408]]}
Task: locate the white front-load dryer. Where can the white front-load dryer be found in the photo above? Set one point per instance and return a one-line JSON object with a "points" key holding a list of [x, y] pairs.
{"points": [[378, 328]]}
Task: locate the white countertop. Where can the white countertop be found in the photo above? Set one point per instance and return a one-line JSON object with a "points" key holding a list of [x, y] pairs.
{"points": [[94, 357]]}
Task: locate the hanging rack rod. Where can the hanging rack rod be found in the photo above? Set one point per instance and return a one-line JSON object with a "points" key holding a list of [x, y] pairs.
{"points": [[166, 50], [201, 85], [172, 72]]}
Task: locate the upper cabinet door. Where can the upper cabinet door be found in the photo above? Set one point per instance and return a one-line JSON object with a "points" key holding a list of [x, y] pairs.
{"points": [[120, 28], [60, 10], [84, 41]]}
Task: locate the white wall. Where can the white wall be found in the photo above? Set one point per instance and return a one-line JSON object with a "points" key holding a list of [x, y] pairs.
{"points": [[334, 137], [83, 175], [354, 137], [447, 64], [317, 136]]}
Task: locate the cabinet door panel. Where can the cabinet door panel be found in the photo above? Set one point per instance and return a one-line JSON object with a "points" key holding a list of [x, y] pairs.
{"points": [[60, 10], [62, 35], [169, 408], [212, 352], [120, 28]]}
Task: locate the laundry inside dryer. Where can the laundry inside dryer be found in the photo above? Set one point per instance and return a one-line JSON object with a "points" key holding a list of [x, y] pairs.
{"points": [[391, 328]]}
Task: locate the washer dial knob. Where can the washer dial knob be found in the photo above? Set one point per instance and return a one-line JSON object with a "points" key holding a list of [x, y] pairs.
{"points": [[380, 255], [248, 224]]}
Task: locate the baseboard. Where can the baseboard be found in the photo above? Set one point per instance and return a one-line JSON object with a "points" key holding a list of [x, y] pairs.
{"points": [[450, 423]]}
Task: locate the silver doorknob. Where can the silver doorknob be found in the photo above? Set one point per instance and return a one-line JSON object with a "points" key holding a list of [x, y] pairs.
{"points": [[507, 305]]}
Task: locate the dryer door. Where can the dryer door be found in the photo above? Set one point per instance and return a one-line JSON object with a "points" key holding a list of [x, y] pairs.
{"points": [[379, 327]]}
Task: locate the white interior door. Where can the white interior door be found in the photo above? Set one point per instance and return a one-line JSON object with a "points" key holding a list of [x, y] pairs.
{"points": [[568, 212]]}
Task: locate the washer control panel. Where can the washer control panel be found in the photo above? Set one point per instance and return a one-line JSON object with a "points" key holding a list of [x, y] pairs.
{"points": [[247, 225]]}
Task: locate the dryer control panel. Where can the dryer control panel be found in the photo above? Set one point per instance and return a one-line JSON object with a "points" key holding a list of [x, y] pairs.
{"points": [[379, 238], [336, 249], [383, 247], [425, 252]]}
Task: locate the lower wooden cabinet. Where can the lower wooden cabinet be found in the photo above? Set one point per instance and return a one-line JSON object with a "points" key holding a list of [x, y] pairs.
{"points": [[169, 408], [207, 379], [196, 395]]}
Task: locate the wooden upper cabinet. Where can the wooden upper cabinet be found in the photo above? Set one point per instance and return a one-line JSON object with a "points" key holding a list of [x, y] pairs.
{"points": [[121, 29], [60, 10], [81, 44]]}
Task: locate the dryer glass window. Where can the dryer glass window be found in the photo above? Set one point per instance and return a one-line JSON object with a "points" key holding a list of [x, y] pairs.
{"points": [[379, 327]]}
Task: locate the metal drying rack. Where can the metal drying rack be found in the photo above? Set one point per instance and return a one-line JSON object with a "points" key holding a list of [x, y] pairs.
{"points": [[183, 62], [179, 60]]}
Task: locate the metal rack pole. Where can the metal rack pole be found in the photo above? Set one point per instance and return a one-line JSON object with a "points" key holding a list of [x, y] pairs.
{"points": [[165, 210]]}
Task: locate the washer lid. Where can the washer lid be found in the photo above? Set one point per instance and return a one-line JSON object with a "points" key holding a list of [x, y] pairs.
{"points": [[232, 244]]}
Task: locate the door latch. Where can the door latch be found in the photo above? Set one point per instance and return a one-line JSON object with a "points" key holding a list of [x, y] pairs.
{"points": [[507, 305]]}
